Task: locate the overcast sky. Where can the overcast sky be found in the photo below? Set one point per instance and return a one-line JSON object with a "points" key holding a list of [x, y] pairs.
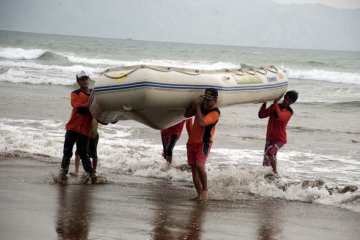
{"points": [[261, 23], [333, 3]]}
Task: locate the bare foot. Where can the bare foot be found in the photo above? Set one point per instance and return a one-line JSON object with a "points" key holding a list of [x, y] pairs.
{"points": [[74, 174], [169, 159], [203, 195]]}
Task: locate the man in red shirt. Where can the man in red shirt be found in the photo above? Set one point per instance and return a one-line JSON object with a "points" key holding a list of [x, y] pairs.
{"points": [[279, 116], [201, 137], [78, 129], [169, 137]]}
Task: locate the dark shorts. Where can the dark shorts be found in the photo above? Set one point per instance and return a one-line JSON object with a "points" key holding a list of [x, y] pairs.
{"points": [[198, 153], [271, 150]]}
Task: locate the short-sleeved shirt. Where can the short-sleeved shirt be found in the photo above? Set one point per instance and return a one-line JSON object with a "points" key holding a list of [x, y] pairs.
{"points": [[278, 119], [199, 134]]}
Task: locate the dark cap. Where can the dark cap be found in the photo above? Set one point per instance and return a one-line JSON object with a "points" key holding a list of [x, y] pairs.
{"points": [[211, 93]]}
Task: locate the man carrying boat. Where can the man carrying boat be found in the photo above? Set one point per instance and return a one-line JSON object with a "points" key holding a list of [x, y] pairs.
{"points": [[201, 137], [78, 130], [279, 116]]}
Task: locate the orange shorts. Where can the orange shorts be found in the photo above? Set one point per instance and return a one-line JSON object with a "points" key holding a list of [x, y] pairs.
{"points": [[197, 153]]}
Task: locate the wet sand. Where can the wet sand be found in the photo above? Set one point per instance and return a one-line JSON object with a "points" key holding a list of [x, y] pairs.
{"points": [[32, 207]]}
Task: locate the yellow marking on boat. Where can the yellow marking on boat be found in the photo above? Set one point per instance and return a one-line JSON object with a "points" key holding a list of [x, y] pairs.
{"points": [[248, 79]]}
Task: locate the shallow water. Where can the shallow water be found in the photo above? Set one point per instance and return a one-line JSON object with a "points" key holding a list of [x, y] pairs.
{"points": [[141, 208]]}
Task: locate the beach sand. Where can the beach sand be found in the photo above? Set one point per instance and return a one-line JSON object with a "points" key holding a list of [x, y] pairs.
{"points": [[32, 207]]}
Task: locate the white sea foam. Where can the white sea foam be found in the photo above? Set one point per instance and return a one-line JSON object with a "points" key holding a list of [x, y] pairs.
{"points": [[323, 75], [95, 61], [231, 172], [20, 53]]}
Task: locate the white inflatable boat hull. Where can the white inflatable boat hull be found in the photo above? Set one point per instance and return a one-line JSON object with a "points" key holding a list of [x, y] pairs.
{"points": [[158, 96]]}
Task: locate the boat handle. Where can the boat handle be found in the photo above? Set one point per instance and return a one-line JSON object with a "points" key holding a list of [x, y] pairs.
{"points": [[261, 70], [251, 71], [273, 69]]}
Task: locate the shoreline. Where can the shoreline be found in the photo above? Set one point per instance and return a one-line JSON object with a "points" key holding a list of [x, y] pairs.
{"points": [[142, 208]]}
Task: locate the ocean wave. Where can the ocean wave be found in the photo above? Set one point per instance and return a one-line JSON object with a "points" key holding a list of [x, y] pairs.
{"points": [[324, 75], [45, 58], [46, 69], [21, 54], [51, 58], [316, 63], [348, 104], [68, 58], [35, 73]]}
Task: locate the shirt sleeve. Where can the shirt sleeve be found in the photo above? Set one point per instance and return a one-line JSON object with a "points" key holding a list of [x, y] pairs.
{"points": [[189, 124], [76, 101], [211, 118], [265, 112]]}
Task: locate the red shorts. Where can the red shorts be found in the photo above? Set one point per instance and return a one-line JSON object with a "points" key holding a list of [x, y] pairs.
{"points": [[271, 150], [197, 153]]}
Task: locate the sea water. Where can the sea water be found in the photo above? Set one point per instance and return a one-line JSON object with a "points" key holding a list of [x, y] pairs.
{"points": [[37, 74]]}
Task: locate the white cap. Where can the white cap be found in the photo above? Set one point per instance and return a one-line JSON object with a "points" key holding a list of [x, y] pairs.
{"points": [[81, 74]]}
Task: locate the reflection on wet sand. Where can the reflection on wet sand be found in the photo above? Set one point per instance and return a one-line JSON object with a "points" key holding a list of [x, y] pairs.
{"points": [[270, 220], [74, 212], [195, 221], [172, 221]]}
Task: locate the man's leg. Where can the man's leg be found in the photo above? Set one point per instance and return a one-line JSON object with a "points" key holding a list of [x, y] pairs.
{"points": [[273, 163], [70, 139], [93, 142], [164, 140], [200, 162], [196, 180], [266, 160], [203, 178], [82, 150], [94, 163], [77, 165], [271, 153], [170, 147], [191, 156]]}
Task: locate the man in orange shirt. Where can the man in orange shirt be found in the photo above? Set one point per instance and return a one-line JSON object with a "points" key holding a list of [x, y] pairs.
{"points": [[279, 116], [78, 129], [201, 137], [169, 137]]}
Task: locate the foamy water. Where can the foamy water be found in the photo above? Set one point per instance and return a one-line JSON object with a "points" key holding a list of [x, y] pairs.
{"points": [[231, 172]]}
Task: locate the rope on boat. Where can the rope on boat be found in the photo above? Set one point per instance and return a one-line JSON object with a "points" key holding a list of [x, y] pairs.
{"points": [[240, 72]]}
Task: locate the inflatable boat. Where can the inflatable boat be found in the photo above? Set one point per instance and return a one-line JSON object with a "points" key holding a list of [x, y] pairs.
{"points": [[157, 96]]}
